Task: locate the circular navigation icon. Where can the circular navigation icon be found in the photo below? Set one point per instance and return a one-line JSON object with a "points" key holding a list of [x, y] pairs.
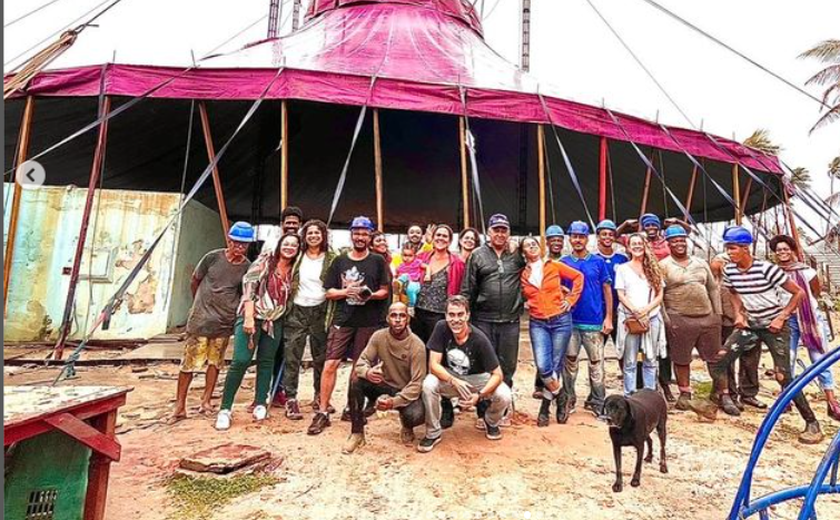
{"points": [[30, 174]]}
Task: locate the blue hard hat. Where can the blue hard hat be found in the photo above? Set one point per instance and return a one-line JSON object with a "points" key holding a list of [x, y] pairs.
{"points": [[361, 223], [242, 232], [553, 231], [578, 227], [606, 224], [650, 218], [674, 232], [737, 235]]}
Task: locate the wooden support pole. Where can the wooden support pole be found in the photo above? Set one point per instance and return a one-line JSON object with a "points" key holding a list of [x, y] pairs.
{"points": [[743, 207], [99, 470], [736, 191], [602, 180], [690, 197], [22, 152], [465, 184], [95, 172], [541, 173], [284, 155], [646, 192], [211, 155], [377, 160], [794, 232]]}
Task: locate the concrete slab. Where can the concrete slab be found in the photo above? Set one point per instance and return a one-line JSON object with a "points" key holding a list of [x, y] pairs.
{"points": [[166, 351], [224, 458]]}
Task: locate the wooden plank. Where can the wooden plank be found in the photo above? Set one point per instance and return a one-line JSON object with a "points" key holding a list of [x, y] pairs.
{"points": [[86, 434], [26, 404], [645, 194], [211, 155], [99, 471], [377, 161], [602, 179], [22, 153]]}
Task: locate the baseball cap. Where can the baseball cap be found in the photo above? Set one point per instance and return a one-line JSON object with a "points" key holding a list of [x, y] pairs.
{"points": [[498, 220]]}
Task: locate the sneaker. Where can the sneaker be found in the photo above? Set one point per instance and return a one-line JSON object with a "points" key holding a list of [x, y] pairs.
{"points": [[834, 410], [280, 398], [682, 402], [223, 420], [506, 418], [319, 422], [260, 412], [345, 414], [755, 403], [355, 441], [426, 444], [316, 406], [812, 434], [493, 433], [407, 436], [293, 410], [480, 424], [728, 406]]}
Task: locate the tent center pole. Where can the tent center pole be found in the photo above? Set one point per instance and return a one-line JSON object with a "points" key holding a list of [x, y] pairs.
{"points": [[736, 190], [646, 192], [690, 197], [22, 152], [211, 155], [95, 173], [377, 160]]}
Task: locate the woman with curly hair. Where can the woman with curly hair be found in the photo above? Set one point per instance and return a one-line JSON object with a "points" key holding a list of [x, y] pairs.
{"points": [[639, 286]]}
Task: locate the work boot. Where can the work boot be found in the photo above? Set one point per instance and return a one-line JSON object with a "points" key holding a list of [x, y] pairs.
{"points": [[755, 403], [293, 410], [834, 410], [407, 436], [355, 441], [682, 402], [728, 406], [812, 434], [563, 409], [447, 416], [543, 417]]}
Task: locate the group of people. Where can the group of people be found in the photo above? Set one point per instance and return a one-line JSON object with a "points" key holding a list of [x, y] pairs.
{"points": [[430, 327]]}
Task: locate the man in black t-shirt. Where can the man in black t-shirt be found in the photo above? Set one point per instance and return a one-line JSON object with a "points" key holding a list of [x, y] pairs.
{"points": [[358, 283], [463, 364]]}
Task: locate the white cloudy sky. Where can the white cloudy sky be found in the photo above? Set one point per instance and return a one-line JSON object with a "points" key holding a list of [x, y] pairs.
{"points": [[572, 49]]}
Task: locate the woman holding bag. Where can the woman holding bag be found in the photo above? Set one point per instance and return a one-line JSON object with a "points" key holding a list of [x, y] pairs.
{"points": [[640, 327], [265, 287]]}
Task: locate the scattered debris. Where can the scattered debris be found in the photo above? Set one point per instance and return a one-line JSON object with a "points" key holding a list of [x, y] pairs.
{"points": [[224, 458]]}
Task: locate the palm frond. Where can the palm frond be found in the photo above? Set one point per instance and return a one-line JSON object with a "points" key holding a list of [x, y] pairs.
{"points": [[833, 199], [760, 140], [827, 76], [801, 177], [829, 117], [834, 167], [827, 51]]}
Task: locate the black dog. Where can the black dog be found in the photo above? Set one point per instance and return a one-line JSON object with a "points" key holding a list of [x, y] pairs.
{"points": [[632, 420]]}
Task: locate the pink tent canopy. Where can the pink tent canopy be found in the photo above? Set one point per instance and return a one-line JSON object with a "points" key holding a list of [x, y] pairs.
{"points": [[416, 55]]}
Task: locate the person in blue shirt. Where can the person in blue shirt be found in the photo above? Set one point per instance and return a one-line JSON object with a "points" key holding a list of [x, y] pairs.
{"points": [[592, 318], [605, 234]]}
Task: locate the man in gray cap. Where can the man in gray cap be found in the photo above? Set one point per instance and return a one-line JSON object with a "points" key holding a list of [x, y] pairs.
{"points": [[492, 286]]}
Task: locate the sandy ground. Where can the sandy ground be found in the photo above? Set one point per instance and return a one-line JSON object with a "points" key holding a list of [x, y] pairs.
{"points": [[563, 471]]}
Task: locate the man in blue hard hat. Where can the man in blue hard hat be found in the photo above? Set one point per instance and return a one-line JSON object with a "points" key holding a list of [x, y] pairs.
{"points": [[761, 317], [591, 319], [357, 282], [651, 226], [605, 233], [217, 288], [491, 285], [693, 315]]}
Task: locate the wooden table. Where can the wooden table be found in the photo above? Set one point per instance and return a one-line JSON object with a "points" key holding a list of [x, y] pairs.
{"points": [[88, 414]]}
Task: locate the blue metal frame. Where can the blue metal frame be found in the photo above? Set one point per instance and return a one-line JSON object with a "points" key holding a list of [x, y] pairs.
{"points": [[742, 506]]}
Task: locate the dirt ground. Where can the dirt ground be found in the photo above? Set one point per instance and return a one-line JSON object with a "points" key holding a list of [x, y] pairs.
{"points": [[563, 471]]}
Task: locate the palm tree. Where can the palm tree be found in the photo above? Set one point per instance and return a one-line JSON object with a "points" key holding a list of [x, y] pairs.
{"points": [[827, 52], [833, 173], [801, 178], [760, 140]]}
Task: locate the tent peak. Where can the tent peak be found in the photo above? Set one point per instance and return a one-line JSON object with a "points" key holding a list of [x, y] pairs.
{"points": [[462, 10]]}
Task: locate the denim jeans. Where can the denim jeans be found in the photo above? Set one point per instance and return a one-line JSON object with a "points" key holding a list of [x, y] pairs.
{"points": [[632, 344], [550, 339], [743, 340], [504, 337], [434, 389], [593, 343], [265, 347], [826, 379]]}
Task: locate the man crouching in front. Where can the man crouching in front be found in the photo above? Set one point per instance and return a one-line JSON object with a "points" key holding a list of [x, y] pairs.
{"points": [[390, 373], [463, 364]]}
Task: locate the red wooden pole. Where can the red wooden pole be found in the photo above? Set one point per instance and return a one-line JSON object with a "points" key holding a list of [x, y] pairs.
{"points": [[602, 183], [95, 171]]}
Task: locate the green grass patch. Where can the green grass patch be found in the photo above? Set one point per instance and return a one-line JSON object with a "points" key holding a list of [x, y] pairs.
{"points": [[703, 390], [198, 498]]}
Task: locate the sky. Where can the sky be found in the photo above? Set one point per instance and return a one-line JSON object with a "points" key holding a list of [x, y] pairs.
{"points": [[572, 50]]}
